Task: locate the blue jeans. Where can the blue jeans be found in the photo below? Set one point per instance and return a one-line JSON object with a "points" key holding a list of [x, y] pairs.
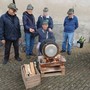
{"points": [[67, 39], [29, 39]]}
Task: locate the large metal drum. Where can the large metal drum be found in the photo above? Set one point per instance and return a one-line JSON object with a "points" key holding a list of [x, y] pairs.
{"points": [[49, 48]]}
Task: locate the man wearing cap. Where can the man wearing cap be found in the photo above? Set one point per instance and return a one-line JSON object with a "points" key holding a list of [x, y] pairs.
{"points": [[29, 29], [44, 34], [45, 16], [70, 25], [10, 32]]}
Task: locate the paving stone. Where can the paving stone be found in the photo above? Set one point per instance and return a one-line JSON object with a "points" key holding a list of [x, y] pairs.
{"points": [[77, 73]]}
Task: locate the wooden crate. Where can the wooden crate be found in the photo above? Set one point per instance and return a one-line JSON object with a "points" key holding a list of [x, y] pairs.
{"points": [[30, 79], [50, 69]]}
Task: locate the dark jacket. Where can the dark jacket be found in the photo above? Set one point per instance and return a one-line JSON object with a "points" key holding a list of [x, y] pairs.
{"points": [[28, 22], [43, 35], [40, 20], [70, 24], [9, 27]]}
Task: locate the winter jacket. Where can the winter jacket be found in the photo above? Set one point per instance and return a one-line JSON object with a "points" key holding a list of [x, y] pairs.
{"points": [[28, 22], [43, 35], [9, 27], [41, 19], [70, 24]]}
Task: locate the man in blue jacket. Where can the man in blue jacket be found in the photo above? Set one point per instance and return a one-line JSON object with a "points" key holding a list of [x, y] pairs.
{"points": [[45, 16], [29, 29], [43, 34], [10, 32], [70, 25]]}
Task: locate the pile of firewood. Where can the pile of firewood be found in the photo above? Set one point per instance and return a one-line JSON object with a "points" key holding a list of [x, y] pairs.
{"points": [[30, 75]]}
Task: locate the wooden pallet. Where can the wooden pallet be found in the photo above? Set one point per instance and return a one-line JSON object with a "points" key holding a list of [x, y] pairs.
{"points": [[51, 68], [30, 75]]}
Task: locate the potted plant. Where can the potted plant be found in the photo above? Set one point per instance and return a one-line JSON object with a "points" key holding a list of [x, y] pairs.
{"points": [[81, 41]]}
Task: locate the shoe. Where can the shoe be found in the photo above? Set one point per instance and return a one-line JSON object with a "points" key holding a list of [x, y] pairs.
{"points": [[62, 51], [28, 56], [69, 53], [18, 59], [5, 61]]}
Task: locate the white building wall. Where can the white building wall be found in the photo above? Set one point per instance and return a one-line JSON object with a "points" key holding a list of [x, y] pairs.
{"points": [[58, 10]]}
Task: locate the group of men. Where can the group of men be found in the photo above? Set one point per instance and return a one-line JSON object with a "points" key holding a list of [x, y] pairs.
{"points": [[10, 32]]}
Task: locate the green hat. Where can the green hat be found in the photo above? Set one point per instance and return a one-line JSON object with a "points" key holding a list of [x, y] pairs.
{"points": [[45, 9], [45, 22], [12, 6], [70, 11], [30, 7]]}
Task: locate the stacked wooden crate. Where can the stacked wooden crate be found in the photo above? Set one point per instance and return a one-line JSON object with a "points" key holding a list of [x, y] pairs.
{"points": [[53, 68], [30, 75]]}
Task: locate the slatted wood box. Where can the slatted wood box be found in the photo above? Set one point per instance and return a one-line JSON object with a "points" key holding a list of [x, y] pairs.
{"points": [[30, 81], [50, 69]]}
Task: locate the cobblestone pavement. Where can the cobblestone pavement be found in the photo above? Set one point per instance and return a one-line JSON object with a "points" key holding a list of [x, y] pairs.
{"points": [[77, 73]]}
